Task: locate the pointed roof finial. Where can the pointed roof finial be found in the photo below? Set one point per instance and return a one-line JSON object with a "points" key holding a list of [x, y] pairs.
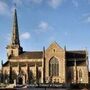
{"points": [[65, 47], [44, 53], [2, 62]]}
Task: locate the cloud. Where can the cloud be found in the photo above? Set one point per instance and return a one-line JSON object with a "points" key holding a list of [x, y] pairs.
{"points": [[75, 3], [55, 3], [86, 18], [52, 3], [25, 35], [4, 9], [35, 1], [43, 26]]}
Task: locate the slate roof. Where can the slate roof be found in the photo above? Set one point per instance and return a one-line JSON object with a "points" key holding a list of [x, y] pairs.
{"points": [[79, 56], [29, 55], [6, 63], [75, 54], [22, 63]]}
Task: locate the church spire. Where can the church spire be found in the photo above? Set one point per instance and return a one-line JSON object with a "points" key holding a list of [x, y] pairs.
{"points": [[15, 33], [14, 48]]}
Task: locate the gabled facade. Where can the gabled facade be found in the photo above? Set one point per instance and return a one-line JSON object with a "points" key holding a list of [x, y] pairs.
{"points": [[55, 63], [51, 65]]}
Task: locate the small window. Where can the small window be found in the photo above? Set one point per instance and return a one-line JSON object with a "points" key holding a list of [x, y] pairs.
{"points": [[11, 52], [53, 50], [58, 81], [54, 80]]}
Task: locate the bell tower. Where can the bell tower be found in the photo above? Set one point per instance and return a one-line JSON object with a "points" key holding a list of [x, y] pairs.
{"points": [[14, 48]]}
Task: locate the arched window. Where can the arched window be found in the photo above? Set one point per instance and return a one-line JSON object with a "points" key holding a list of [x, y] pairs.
{"points": [[13, 76], [31, 77], [54, 67], [6, 76], [69, 75], [38, 76], [80, 75]]}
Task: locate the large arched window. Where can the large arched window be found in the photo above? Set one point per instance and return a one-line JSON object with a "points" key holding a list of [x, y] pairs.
{"points": [[54, 67]]}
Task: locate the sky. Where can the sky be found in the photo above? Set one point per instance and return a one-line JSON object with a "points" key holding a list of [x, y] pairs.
{"points": [[42, 22]]}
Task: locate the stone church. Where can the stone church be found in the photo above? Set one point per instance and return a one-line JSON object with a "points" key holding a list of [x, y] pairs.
{"points": [[52, 65]]}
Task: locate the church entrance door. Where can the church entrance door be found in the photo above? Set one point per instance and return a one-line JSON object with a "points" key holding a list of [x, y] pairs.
{"points": [[20, 80]]}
